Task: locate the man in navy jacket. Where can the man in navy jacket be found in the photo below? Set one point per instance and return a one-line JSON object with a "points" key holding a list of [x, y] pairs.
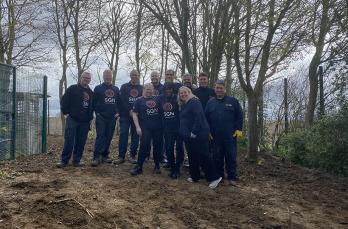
{"points": [[105, 101], [203, 92], [225, 117], [156, 82], [129, 93], [76, 104]]}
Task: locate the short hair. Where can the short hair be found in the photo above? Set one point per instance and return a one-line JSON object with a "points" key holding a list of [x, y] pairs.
{"points": [[133, 72], [85, 73], [154, 73], [203, 74], [220, 82], [187, 75], [107, 70], [170, 71]]}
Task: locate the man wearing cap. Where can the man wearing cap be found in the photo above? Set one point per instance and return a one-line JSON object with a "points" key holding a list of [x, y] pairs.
{"points": [[105, 102], [225, 117], [129, 93]]}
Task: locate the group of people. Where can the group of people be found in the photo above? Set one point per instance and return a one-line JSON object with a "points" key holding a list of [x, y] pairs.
{"points": [[164, 117]]}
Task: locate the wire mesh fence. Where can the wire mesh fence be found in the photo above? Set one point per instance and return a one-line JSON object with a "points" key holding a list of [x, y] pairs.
{"points": [[23, 114]]}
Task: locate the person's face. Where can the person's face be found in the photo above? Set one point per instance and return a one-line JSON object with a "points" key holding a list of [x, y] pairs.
{"points": [[183, 95], [155, 79], [169, 76], [85, 79], [187, 81], [134, 77], [168, 92], [203, 81], [107, 76], [220, 90], [148, 91]]}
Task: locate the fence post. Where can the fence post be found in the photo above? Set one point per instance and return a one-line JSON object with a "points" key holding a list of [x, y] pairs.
{"points": [[48, 117], [14, 116], [44, 116], [321, 92]]}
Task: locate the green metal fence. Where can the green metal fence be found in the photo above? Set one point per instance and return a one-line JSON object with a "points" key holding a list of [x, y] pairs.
{"points": [[23, 116]]}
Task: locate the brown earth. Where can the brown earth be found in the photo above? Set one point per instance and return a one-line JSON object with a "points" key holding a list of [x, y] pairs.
{"points": [[272, 194]]}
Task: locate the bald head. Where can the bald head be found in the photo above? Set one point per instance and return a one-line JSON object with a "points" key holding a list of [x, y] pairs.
{"points": [[155, 77], [107, 76]]}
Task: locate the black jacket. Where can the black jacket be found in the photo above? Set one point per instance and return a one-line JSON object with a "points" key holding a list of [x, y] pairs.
{"points": [[77, 103]]}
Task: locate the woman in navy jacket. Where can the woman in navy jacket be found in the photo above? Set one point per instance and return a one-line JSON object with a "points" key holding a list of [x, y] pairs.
{"points": [[194, 129]]}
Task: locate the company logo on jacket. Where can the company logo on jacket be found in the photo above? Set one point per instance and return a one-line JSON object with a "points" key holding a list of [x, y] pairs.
{"points": [[152, 110], [134, 94], [86, 98], [109, 96]]}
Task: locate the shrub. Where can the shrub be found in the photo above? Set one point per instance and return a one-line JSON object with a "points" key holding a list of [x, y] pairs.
{"points": [[324, 146]]}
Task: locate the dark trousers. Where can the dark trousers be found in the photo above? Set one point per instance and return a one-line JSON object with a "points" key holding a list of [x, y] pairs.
{"points": [[75, 136], [198, 155], [225, 150], [147, 136], [125, 124], [172, 139], [105, 128]]}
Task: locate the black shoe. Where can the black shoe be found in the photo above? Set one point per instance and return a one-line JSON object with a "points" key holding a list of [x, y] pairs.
{"points": [[119, 161], [136, 170], [156, 170], [173, 175], [95, 163], [61, 165], [106, 160], [77, 164], [132, 160], [166, 165]]}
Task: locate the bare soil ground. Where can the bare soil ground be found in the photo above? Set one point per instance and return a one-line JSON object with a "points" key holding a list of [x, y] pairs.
{"points": [[273, 194]]}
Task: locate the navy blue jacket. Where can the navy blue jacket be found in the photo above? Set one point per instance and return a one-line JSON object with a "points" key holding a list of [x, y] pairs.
{"points": [[129, 94], [105, 100], [204, 94], [224, 116], [170, 115], [149, 112], [77, 103], [158, 89], [192, 119]]}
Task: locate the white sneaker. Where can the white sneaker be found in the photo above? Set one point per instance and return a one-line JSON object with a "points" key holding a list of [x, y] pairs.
{"points": [[190, 180], [215, 183]]}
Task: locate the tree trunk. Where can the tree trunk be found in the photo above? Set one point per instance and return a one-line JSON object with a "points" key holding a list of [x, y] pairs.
{"points": [[312, 74], [260, 119], [228, 76], [252, 128], [137, 37]]}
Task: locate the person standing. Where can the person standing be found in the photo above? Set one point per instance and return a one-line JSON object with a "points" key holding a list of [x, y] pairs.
{"points": [[170, 77], [188, 81], [171, 125], [194, 129], [129, 93], [155, 80], [148, 121], [105, 101], [203, 92], [76, 104], [225, 117]]}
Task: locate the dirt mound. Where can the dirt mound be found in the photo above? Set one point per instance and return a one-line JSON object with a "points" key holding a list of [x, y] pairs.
{"points": [[271, 194], [67, 212], [38, 186]]}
